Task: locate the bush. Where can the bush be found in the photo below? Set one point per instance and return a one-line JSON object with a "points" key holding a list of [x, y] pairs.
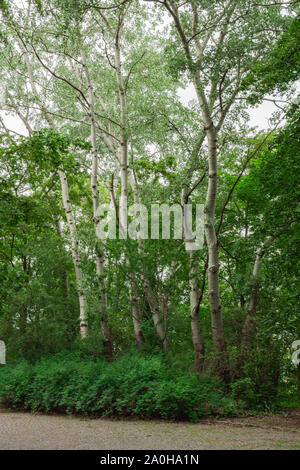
{"points": [[257, 386], [250, 396], [132, 386]]}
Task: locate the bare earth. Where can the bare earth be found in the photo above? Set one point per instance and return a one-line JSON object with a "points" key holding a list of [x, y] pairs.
{"points": [[36, 431]]}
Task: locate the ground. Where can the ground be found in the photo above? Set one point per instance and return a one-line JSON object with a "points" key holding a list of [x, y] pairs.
{"points": [[37, 431]]}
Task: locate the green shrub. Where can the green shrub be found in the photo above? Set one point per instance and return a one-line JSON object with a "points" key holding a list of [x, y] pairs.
{"points": [[15, 384], [256, 387], [250, 396], [135, 385], [288, 396]]}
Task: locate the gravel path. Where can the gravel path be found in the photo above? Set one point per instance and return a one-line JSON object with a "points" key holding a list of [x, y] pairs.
{"points": [[37, 431]]}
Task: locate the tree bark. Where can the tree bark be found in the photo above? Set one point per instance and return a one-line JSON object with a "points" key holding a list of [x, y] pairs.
{"points": [[157, 316], [104, 326], [64, 275], [123, 139], [123, 160], [195, 300], [211, 239], [75, 255], [136, 315], [164, 310], [105, 330], [206, 107], [67, 207], [249, 322], [199, 349], [298, 378]]}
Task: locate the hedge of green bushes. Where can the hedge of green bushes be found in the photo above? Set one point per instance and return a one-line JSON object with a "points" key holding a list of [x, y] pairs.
{"points": [[135, 385]]}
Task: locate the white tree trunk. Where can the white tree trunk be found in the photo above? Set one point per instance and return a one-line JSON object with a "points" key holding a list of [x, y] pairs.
{"points": [[123, 139], [153, 302], [67, 208], [211, 238], [199, 350], [75, 254], [136, 315], [249, 322], [105, 331]]}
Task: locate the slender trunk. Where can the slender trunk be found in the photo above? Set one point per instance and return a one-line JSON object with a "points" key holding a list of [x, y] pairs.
{"points": [[298, 375], [136, 313], [123, 138], [249, 322], [136, 317], [67, 207], [64, 275], [164, 309], [104, 326], [195, 301], [211, 134], [121, 154], [23, 320], [211, 239], [123, 217], [75, 255], [248, 327], [105, 331], [152, 299], [163, 305], [199, 350], [157, 316]]}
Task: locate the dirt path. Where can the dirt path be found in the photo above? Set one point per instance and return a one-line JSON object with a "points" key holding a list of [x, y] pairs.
{"points": [[29, 431]]}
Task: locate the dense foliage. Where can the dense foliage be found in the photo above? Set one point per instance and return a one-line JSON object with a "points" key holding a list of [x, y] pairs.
{"points": [[133, 386], [100, 118]]}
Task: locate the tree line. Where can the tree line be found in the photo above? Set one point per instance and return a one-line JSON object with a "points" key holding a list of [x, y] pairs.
{"points": [[96, 86]]}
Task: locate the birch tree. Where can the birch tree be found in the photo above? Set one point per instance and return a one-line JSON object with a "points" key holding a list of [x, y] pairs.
{"points": [[207, 33], [62, 176]]}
